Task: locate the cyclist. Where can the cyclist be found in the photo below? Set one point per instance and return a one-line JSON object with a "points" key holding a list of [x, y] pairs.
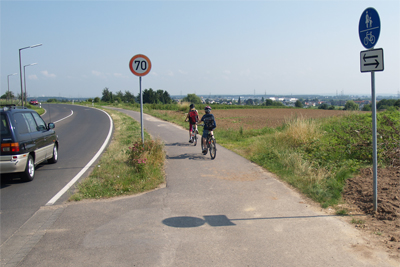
{"points": [[209, 126], [193, 118]]}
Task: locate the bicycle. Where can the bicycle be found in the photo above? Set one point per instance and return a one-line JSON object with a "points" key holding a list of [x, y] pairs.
{"points": [[369, 38], [211, 144], [193, 135]]}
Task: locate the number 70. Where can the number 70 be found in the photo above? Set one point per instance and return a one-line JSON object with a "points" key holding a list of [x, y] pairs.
{"points": [[141, 63]]}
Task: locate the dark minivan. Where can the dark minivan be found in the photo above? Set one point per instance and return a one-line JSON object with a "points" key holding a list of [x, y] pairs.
{"points": [[26, 141]]}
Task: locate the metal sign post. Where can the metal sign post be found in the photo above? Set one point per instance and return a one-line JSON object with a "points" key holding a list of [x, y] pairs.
{"points": [[371, 60], [140, 65]]}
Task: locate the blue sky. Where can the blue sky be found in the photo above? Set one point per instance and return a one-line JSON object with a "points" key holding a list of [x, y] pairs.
{"points": [[202, 47]]}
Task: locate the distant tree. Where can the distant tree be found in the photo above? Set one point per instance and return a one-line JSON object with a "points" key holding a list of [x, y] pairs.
{"points": [[155, 97], [351, 105], [149, 96], [8, 95], [269, 102], [120, 96], [192, 98], [385, 104], [262, 100], [323, 106], [107, 95], [96, 99], [331, 107], [128, 97], [367, 107], [166, 99], [249, 102], [298, 104], [397, 103], [239, 101]]}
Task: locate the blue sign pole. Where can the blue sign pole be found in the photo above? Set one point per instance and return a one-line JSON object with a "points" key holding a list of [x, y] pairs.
{"points": [[369, 29]]}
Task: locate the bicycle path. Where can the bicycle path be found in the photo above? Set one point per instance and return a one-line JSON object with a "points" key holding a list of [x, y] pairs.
{"points": [[222, 212]]}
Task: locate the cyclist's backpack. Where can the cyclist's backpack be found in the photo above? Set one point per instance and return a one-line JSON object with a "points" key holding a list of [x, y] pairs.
{"points": [[193, 116]]}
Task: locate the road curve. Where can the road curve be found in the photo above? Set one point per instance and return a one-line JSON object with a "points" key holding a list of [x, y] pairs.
{"points": [[81, 136]]}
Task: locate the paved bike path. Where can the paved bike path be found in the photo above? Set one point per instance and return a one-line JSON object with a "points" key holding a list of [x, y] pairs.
{"points": [[222, 212]]}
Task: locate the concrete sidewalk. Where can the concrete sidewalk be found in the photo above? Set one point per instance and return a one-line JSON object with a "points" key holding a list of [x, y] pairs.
{"points": [[222, 212]]}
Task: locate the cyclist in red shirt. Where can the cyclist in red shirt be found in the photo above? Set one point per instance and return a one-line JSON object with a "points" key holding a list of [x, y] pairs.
{"points": [[193, 118]]}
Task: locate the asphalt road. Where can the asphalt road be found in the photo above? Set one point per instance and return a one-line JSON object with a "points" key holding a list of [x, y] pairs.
{"points": [[81, 132]]}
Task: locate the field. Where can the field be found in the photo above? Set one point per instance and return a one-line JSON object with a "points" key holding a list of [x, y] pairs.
{"points": [[357, 193], [259, 118]]}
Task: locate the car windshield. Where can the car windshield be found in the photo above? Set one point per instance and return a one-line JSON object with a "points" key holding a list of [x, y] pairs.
{"points": [[4, 125]]}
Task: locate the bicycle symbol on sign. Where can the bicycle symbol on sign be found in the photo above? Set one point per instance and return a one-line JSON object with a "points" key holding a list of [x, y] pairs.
{"points": [[369, 38]]}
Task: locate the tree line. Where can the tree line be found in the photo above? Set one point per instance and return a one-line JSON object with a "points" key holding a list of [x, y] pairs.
{"points": [[150, 96]]}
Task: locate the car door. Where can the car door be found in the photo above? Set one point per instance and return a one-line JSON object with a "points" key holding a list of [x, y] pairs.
{"points": [[37, 137], [48, 136]]}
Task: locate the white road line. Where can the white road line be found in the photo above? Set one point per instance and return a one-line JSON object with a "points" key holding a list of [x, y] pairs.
{"points": [[76, 178], [72, 113]]}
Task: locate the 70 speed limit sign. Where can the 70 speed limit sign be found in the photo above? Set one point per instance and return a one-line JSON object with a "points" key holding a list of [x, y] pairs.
{"points": [[140, 65]]}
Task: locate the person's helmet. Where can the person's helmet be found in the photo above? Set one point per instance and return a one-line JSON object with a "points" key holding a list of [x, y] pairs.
{"points": [[207, 109], [191, 106]]}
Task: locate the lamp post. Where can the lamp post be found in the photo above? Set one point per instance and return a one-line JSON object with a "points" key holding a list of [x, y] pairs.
{"points": [[25, 80], [20, 69], [8, 84]]}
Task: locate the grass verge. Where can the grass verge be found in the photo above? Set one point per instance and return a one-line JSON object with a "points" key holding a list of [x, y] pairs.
{"points": [[126, 167]]}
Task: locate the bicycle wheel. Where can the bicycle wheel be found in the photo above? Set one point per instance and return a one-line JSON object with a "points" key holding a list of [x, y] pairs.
{"points": [[195, 139], [202, 144], [213, 148]]}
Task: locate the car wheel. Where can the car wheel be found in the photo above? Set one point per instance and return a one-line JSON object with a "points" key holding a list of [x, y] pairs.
{"points": [[54, 159], [29, 172]]}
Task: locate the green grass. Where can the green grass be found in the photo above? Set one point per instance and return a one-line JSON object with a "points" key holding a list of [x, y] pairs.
{"points": [[121, 170], [357, 221]]}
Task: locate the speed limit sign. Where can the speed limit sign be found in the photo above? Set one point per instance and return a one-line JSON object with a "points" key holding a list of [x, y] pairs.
{"points": [[140, 65]]}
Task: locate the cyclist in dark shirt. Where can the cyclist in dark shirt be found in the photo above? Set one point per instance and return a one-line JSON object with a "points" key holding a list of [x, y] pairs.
{"points": [[209, 125]]}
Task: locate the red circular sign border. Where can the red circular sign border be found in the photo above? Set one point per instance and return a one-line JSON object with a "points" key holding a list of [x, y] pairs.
{"points": [[133, 71]]}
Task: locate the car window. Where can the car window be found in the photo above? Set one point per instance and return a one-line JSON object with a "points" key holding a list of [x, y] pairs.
{"points": [[4, 125], [31, 122], [40, 122], [20, 124]]}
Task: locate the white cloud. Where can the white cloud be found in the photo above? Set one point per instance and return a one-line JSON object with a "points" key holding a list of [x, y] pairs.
{"points": [[47, 74], [96, 73], [245, 73], [182, 72], [33, 77]]}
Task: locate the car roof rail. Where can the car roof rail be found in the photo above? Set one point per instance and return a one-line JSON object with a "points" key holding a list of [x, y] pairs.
{"points": [[6, 107]]}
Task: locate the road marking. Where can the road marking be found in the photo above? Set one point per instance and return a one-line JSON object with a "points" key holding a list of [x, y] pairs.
{"points": [[76, 178], [72, 113]]}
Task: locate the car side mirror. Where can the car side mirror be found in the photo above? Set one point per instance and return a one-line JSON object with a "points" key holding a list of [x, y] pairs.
{"points": [[51, 125]]}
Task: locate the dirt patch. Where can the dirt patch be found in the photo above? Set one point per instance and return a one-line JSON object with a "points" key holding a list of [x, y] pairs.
{"points": [[385, 223]]}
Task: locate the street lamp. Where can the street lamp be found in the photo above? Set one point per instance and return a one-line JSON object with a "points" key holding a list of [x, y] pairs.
{"points": [[20, 69], [25, 80], [8, 84]]}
